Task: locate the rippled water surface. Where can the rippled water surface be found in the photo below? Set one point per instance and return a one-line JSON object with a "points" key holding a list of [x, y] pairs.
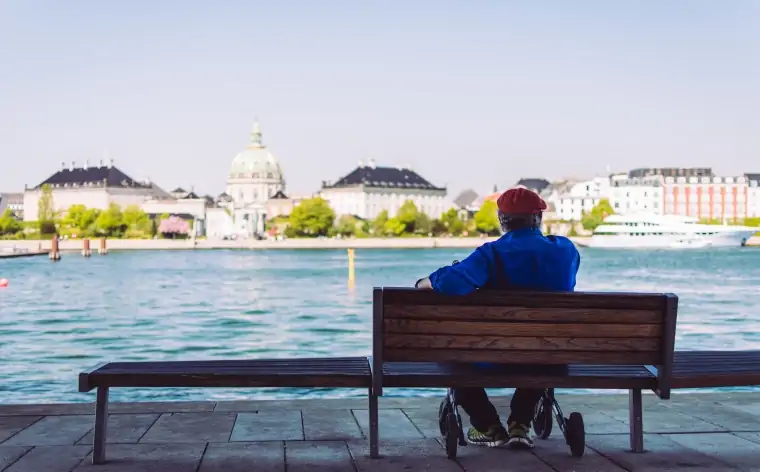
{"points": [[57, 319]]}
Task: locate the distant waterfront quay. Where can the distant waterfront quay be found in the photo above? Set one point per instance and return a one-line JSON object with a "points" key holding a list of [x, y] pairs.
{"points": [[76, 245], [57, 319]]}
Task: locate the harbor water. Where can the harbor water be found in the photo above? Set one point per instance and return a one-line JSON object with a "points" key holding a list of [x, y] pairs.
{"points": [[57, 319]]}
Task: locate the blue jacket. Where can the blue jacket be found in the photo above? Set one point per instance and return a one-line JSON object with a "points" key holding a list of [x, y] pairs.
{"points": [[527, 260]]}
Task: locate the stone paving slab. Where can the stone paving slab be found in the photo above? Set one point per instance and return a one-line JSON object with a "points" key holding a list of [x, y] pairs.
{"points": [[124, 428], [318, 456], [148, 458], [190, 428], [268, 426], [659, 419], [50, 459], [661, 454], [330, 424], [241, 457], [53, 431], [412, 455], [556, 453], [12, 425], [393, 424], [725, 447], [10, 454]]}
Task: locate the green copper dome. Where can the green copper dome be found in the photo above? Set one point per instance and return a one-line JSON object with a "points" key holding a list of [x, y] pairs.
{"points": [[255, 162]]}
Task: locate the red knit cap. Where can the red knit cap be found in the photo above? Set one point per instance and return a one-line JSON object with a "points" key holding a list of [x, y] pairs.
{"points": [[520, 201]]}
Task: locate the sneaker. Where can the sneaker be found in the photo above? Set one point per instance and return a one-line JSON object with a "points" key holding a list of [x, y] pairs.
{"points": [[495, 436], [519, 437]]}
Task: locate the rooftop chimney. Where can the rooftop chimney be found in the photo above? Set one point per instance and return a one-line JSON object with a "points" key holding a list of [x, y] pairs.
{"points": [[86, 164], [110, 163], [72, 165], [101, 163], [63, 165], [372, 163]]}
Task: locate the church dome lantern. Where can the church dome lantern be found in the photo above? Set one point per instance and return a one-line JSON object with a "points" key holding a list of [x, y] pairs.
{"points": [[255, 162]]}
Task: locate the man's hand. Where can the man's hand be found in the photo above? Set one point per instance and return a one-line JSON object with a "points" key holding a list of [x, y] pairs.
{"points": [[424, 284]]}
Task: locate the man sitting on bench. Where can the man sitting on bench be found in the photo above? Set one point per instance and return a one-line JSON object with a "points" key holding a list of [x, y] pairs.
{"points": [[524, 259]]}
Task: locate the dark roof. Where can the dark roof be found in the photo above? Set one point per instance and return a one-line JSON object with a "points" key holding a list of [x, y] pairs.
{"points": [[383, 177], [279, 196], [191, 195], [466, 198], [537, 185], [755, 177], [179, 190], [672, 172], [111, 176]]}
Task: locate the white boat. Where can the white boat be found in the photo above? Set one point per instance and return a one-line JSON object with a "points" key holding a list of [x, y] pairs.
{"points": [[666, 232]]}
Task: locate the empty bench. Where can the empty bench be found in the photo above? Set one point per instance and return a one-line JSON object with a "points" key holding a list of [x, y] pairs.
{"points": [[713, 369], [545, 340], [317, 372]]}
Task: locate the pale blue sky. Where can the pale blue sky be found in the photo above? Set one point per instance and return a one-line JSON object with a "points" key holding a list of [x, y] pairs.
{"points": [[470, 93]]}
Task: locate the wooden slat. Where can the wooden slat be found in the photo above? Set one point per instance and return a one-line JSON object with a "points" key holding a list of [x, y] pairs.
{"points": [[521, 313], [518, 329], [623, 301], [442, 341], [432, 374], [520, 357]]}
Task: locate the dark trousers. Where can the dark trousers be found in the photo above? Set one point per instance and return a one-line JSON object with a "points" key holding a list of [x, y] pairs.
{"points": [[482, 413]]}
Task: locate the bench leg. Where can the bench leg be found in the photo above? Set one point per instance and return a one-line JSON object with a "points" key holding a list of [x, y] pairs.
{"points": [[635, 420], [101, 427], [374, 449]]}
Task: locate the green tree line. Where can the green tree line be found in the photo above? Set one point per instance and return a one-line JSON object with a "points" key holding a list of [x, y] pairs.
{"points": [[315, 218]]}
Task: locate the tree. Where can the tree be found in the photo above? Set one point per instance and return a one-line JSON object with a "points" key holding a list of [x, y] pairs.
{"points": [[378, 225], [407, 215], [80, 217], [487, 218], [8, 223], [597, 215], [347, 225], [423, 225], [394, 227], [46, 210], [312, 217], [136, 219], [109, 222], [452, 223]]}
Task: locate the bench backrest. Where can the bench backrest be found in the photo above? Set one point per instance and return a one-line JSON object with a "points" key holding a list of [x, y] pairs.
{"points": [[413, 325]]}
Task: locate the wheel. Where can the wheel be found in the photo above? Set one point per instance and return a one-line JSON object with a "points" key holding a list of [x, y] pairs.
{"points": [[452, 435], [443, 411], [576, 434], [542, 422]]}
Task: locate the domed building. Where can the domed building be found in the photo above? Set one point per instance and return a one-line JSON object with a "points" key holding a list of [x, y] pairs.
{"points": [[255, 176]]}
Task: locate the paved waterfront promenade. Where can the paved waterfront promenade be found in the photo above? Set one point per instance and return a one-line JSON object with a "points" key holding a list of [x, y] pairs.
{"points": [[696, 432]]}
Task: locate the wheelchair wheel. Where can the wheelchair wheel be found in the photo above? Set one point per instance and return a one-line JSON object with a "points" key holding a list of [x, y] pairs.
{"points": [[443, 411], [542, 421], [575, 435], [452, 435]]}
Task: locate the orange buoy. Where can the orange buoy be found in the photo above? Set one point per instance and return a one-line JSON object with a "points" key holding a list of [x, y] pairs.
{"points": [[3, 282]]}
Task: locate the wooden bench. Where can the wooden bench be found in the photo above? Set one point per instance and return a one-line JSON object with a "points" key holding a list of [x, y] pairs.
{"points": [[711, 369], [605, 340], [317, 372]]}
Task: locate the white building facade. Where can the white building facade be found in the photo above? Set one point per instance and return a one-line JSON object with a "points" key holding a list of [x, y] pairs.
{"points": [[576, 198], [632, 194], [94, 187], [753, 195], [368, 190]]}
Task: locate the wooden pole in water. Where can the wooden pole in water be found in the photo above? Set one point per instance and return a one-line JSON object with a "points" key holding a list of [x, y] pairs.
{"points": [[103, 249], [55, 253], [351, 272], [86, 247]]}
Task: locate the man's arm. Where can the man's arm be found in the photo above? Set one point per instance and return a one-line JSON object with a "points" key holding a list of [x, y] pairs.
{"points": [[463, 277]]}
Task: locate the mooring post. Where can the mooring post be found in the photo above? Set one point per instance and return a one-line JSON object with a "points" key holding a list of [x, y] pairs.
{"points": [[103, 249], [86, 247], [351, 273], [55, 253]]}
